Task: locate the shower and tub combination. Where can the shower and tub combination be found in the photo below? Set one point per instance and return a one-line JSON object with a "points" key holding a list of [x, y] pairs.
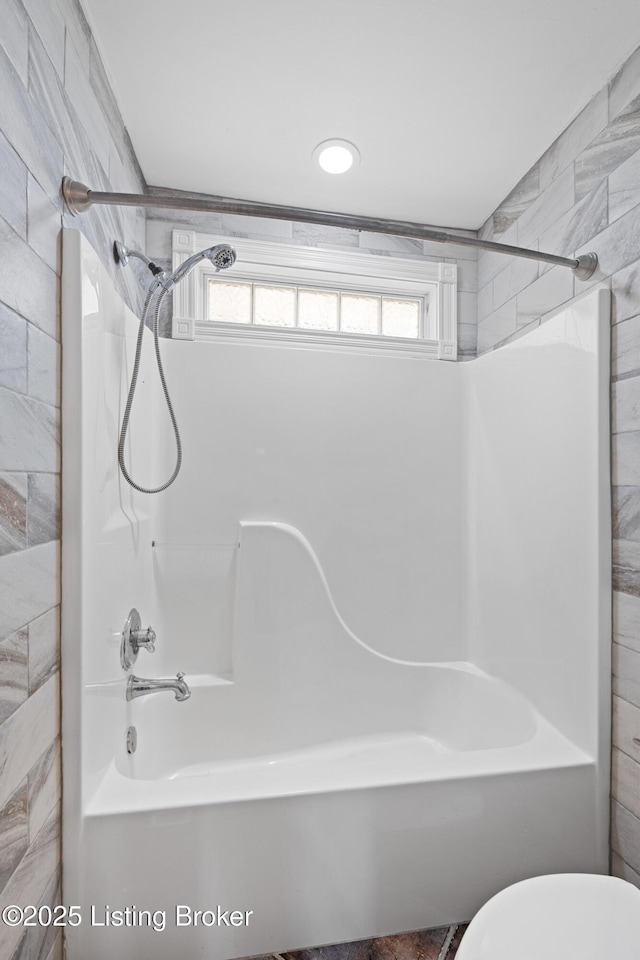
{"points": [[383, 581]]}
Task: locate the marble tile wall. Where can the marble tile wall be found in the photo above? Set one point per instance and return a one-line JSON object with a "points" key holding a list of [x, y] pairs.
{"points": [[57, 116], [160, 225], [584, 194]]}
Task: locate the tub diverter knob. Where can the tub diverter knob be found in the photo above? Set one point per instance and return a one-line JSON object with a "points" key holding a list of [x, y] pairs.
{"points": [[133, 638]]}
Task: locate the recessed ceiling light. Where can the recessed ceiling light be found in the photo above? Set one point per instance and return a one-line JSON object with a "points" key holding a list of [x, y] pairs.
{"points": [[336, 156]]}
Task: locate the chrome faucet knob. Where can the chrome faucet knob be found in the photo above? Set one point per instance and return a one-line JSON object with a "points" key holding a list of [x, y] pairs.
{"points": [[133, 638], [146, 638], [179, 674]]}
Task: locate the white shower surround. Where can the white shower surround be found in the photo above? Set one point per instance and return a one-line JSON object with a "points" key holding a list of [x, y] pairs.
{"points": [[452, 515]]}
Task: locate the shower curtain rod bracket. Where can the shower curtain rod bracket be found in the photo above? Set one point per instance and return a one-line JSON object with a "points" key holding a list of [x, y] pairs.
{"points": [[79, 198]]}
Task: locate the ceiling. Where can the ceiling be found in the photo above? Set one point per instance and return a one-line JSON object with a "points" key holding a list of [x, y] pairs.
{"points": [[448, 102]]}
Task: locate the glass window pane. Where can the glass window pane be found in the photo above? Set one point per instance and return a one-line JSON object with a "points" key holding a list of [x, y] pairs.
{"points": [[359, 314], [229, 302], [317, 310], [274, 306], [400, 318]]}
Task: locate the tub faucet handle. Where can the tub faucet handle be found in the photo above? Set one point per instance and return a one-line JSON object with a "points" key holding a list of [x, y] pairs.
{"points": [[145, 638], [133, 638]]}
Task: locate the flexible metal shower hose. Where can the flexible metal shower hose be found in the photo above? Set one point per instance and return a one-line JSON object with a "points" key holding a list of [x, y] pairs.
{"points": [[132, 391]]}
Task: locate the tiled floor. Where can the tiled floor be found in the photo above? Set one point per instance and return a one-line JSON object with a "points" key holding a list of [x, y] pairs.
{"points": [[440, 943]]}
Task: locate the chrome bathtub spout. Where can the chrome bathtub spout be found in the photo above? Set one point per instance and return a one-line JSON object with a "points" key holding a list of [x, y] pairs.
{"points": [[138, 687]]}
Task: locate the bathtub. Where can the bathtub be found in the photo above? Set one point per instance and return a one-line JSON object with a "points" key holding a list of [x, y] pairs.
{"points": [[326, 792], [325, 782]]}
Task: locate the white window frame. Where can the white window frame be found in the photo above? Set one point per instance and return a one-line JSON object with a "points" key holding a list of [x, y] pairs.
{"points": [[270, 261]]}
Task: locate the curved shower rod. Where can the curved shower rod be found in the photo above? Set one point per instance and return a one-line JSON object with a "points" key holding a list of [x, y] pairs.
{"points": [[79, 198]]}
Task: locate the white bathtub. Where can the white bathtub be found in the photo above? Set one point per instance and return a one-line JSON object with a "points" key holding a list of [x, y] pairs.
{"points": [[333, 792], [334, 775]]}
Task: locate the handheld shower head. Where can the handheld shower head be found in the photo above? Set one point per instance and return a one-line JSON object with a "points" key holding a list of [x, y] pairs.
{"points": [[221, 256]]}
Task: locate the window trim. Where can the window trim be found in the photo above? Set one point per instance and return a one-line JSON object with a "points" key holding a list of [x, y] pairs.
{"points": [[273, 261]]}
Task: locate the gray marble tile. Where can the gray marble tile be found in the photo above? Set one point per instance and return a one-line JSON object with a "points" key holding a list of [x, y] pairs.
{"points": [[24, 127], [14, 833], [544, 294], [30, 438], [30, 880], [45, 787], [47, 91], [452, 252], [158, 239], [486, 230], [626, 513], [467, 308], [550, 205], [13, 192], [523, 326], [43, 365], [103, 93], [624, 192], [626, 459], [15, 36], [57, 948], [497, 327], [127, 173], [14, 672], [625, 412], [626, 728], [588, 218], [191, 219], [485, 301], [625, 86], [36, 299], [44, 224], [22, 950], [467, 338], [620, 868], [626, 579], [29, 586], [43, 508], [86, 104], [625, 347], [49, 24], [616, 246], [491, 264], [626, 620], [13, 356], [618, 141], [256, 227], [625, 835], [44, 648], [78, 31], [315, 234], [570, 144], [467, 276], [626, 673], [517, 275], [13, 512], [384, 243], [80, 162], [26, 735], [42, 937], [625, 287], [625, 781], [519, 200]]}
